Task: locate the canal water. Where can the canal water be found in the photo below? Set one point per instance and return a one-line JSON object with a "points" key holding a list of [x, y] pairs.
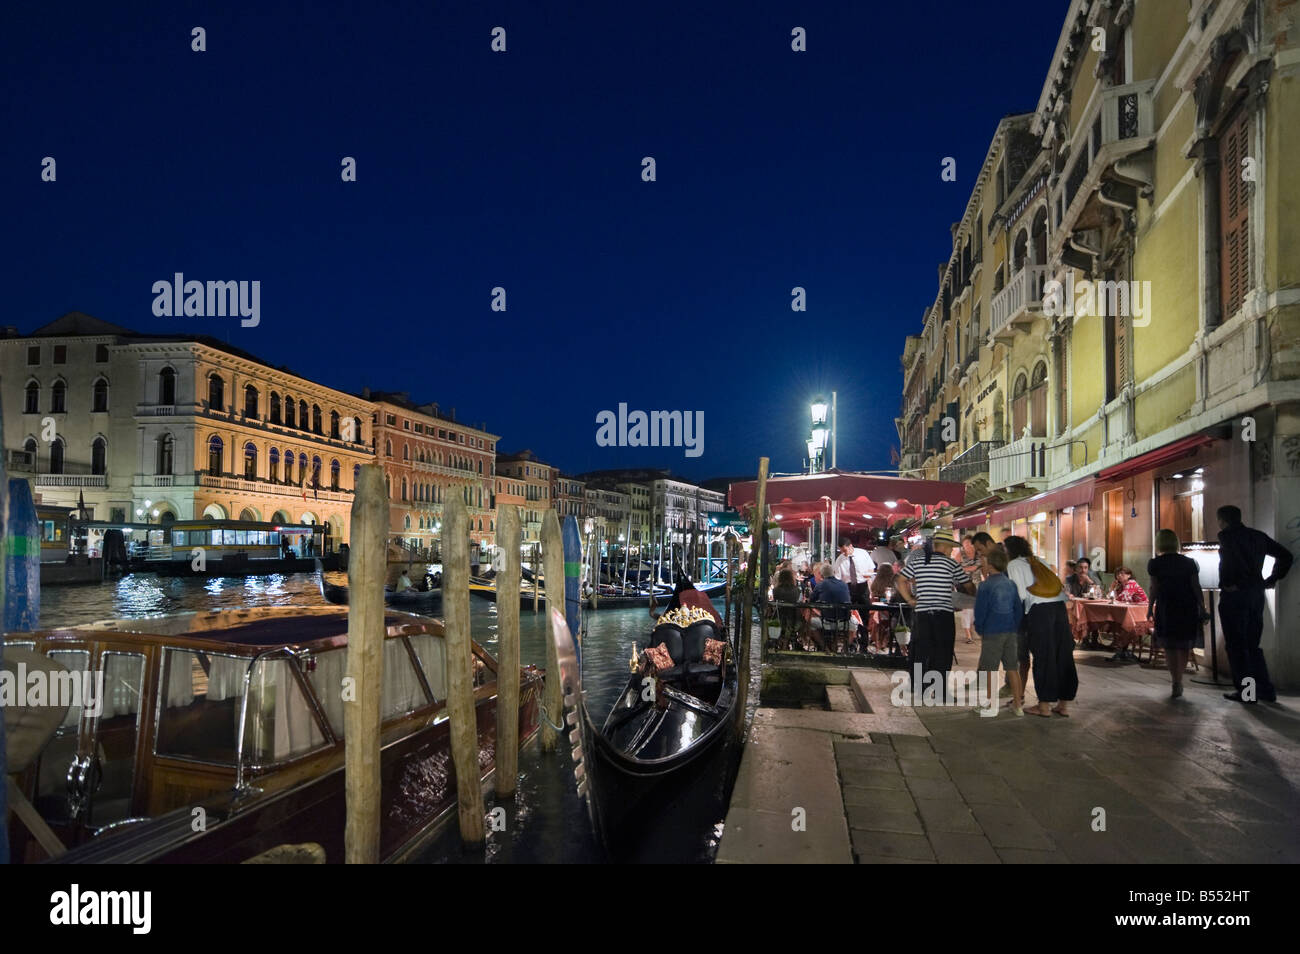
{"points": [[546, 821]]}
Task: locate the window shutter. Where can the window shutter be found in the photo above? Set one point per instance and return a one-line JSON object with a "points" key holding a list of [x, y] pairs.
{"points": [[1234, 218]]}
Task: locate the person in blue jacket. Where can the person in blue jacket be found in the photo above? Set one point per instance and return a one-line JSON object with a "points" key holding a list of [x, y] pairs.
{"points": [[998, 611]]}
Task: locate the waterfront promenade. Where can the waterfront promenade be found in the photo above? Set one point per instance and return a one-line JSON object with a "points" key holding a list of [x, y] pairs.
{"points": [[1199, 780]]}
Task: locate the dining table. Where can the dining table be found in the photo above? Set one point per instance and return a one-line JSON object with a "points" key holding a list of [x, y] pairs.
{"points": [[1087, 617]]}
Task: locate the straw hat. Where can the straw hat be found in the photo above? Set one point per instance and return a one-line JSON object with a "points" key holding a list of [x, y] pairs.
{"points": [[944, 535]]}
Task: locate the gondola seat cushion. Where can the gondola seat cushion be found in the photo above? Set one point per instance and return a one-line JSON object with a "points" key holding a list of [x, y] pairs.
{"points": [[659, 658], [713, 649]]}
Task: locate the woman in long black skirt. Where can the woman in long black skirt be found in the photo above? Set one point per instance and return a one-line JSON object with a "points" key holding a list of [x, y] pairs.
{"points": [[1176, 603]]}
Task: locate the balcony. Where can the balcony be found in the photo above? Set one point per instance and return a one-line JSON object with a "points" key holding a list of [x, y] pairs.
{"points": [[1016, 305], [260, 486], [1123, 124], [1020, 463], [20, 462], [71, 480], [970, 463], [155, 410]]}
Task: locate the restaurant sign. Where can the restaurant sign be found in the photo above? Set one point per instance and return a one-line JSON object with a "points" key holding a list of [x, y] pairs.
{"points": [[720, 521]]}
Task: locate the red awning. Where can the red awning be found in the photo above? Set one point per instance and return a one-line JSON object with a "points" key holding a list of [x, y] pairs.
{"points": [[851, 489], [1074, 495], [1164, 455]]}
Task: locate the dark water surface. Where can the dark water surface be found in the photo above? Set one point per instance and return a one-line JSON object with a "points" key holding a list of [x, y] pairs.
{"points": [[546, 821]]}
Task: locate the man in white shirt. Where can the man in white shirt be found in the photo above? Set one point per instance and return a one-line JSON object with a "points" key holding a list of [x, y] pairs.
{"points": [[854, 567]]}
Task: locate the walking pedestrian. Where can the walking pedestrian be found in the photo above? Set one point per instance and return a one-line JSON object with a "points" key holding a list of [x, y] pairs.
{"points": [[1046, 630], [998, 612], [927, 582], [1241, 605], [1176, 605]]}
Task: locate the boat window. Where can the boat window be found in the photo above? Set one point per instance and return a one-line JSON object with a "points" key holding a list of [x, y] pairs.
{"points": [[241, 537], [178, 538], [214, 538], [52, 770], [432, 653], [116, 732], [327, 682], [402, 692], [200, 717], [280, 722], [275, 538]]}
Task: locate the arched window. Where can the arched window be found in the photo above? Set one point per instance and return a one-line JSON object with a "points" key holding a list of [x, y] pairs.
{"points": [[334, 425], [421, 523], [99, 396], [163, 457], [275, 408], [59, 398], [334, 475], [388, 448], [250, 461], [273, 465], [288, 467], [29, 448], [356, 435], [166, 386], [32, 398], [356, 472], [1019, 407], [316, 420], [215, 448], [1038, 400], [406, 452], [216, 393], [288, 411], [99, 456], [250, 401], [304, 422], [408, 521], [56, 456], [404, 488], [315, 472]]}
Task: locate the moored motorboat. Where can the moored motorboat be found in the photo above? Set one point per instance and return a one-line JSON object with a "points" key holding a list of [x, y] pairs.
{"points": [[676, 713], [237, 717]]}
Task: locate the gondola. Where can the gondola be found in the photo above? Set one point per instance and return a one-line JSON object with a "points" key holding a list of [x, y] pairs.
{"points": [[412, 600], [665, 733]]}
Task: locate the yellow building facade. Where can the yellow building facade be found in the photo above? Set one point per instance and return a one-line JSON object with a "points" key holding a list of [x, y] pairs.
{"points": [[1142, 351]]}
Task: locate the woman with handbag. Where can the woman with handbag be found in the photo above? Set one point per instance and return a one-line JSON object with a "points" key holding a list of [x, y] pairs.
{"points": [[1176, 605]]}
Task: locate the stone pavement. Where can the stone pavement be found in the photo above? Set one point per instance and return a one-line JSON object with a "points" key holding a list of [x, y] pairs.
{"points": [[1194, 780]]}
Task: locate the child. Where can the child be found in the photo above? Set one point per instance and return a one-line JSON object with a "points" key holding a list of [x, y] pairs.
{"points": [[998, 611]]}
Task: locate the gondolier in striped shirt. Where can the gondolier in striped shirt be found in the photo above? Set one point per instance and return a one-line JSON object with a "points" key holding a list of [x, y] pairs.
{"points": [[927, 583]]}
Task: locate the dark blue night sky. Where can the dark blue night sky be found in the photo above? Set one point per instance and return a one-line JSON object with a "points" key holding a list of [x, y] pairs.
{"points": [[523, 170]]}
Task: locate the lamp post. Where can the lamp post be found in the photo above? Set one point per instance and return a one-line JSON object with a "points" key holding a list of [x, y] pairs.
{"points": [[823, 435]]}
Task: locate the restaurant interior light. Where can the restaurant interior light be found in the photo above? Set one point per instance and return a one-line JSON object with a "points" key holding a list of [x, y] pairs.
{"points": [[1039, 517], [1178, 477], [891, 504]]}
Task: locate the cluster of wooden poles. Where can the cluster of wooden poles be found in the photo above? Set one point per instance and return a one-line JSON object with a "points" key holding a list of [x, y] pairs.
{"points": [[367, 570]]}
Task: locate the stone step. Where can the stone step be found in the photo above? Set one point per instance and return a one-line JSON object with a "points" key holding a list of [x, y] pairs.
{"points": [[842, 699]]}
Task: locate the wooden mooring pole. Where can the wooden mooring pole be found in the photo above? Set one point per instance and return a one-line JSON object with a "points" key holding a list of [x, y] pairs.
{"points": [[367, 569], [460, 671], [507, 748], [553, 699], [747, 598]]}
